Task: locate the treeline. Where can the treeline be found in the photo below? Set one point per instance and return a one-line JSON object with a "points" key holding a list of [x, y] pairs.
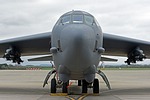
{"points": [[3, 66], [46, 67], [20, 67], [127, 66]]}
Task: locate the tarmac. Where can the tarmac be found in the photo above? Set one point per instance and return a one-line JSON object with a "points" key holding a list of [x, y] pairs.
{"points": [[27, 85]]}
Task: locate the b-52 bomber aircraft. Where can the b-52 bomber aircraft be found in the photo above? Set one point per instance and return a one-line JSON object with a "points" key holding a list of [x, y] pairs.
{"points": [[75, 45]]}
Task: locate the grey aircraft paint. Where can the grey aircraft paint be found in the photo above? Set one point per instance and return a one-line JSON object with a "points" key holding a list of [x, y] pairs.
{"points": [[77, 57], [76, 43]]}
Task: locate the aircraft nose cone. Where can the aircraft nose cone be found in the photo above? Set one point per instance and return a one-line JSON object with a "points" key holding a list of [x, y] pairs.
{"points": [[76, 35], [77, 42]]}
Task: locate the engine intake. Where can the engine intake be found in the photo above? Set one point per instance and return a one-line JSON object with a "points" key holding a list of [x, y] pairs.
{"points": [[13, 54], [135, 55]]}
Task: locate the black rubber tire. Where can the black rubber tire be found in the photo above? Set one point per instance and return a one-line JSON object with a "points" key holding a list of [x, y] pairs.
{"points": [[79, 82], [53, 85], [84, 86], [65, 87], [96, 86]]}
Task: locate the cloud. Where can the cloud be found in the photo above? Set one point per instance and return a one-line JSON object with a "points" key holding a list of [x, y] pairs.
{"points": [[122, 17], [129, 18]]}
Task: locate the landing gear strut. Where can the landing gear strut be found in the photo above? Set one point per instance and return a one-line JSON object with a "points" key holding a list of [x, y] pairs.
{"points": [[53, 81], [55, 84], [65, 87], [99, 72], [85, 85], [48, 76], [79, 83]]}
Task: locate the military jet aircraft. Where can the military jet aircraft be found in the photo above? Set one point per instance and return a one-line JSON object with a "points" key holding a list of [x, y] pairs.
{"points": [[75, 45]]}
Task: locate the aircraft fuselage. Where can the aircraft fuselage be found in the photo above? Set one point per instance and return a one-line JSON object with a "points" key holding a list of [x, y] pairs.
{"points": [[76, 39]]}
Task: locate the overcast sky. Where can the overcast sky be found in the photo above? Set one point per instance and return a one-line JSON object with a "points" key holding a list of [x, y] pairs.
{"points": [[130, 18]]}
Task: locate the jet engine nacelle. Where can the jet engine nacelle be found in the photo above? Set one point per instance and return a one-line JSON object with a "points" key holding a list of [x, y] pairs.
{"points": [[136, 55], [13, 54]]}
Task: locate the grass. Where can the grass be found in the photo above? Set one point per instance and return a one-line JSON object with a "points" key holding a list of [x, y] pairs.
{"points": [[46, 68], [125, 68], [107, 68], [49, 68]]}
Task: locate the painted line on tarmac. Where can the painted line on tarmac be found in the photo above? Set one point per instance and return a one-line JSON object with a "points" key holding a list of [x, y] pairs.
{"points": [[70, 98], [58, 94], [81, 97], [107, 91]]}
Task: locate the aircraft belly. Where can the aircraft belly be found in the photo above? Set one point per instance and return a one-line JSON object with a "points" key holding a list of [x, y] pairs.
{"points": [[76, 76], [77, 59], [65, 74]]}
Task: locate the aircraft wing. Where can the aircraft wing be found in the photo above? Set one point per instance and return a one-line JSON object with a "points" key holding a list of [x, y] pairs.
{"points": [[38, 44], [49, 58], [42, 58], [121, 46], [108, 59]]}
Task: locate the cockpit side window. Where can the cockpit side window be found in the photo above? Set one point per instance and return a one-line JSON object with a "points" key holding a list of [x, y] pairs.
{"points": [[97, 22], [77, 18], [88, 19], [66, 19]]}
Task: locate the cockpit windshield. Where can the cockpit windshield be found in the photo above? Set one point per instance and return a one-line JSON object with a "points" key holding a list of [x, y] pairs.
{"points": [[77, 18], [88, 20], [66, 19]]}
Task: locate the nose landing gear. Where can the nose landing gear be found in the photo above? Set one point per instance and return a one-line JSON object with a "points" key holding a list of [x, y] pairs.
{"points": [[85, 85], [53, 85], [56, 83], [65, 87], [53, 81], [95, 86], [48, 76]]}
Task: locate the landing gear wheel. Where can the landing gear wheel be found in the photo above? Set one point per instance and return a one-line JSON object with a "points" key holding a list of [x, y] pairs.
{"points": [[65, 87], [84, 86], [79, 82], [53, 85], [96, 86]]}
